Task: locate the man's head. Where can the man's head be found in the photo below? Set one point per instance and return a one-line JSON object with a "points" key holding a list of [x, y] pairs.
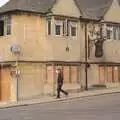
{"points": [[58, 70]]}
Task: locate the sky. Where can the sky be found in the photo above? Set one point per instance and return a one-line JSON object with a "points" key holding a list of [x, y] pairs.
{"points": [[2, 2]]}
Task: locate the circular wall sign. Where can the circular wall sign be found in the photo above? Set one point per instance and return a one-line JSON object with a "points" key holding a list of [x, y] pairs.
{"points": [[15, 49]]}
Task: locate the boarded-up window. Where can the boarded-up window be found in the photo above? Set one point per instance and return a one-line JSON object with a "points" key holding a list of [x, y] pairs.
{"points": [[49, 74], [115, 74], [74, 74], [109, 74], [66, 73], [101, 74]]}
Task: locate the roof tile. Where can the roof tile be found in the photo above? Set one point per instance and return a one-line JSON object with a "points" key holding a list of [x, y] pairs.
{"points": [[93, 9]]}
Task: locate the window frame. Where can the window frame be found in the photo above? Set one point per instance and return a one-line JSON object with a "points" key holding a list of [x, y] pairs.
{"points": [[8, 25], [110, 30], [60, 24], [114, 31], [49, 25], [7, 28], [73, 25], [62, 27], [2, 23]]}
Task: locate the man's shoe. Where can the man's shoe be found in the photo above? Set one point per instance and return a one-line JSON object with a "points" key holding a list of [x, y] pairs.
{"points": [[57, 97], [66, 94]]}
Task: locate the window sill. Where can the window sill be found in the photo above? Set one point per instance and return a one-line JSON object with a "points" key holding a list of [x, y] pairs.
{"points": [[64, 37], [5, 36]]}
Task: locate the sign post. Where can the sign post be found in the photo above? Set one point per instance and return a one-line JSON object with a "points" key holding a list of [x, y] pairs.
{"points": [[16, 50]]}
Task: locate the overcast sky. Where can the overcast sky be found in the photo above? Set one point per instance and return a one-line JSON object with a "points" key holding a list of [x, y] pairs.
{"points": [[2, 2]]}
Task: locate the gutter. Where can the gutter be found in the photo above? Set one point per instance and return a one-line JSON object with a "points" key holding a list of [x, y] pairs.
{"points": [[17, 11]]}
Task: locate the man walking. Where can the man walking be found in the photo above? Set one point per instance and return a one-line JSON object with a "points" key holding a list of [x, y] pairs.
{"points": [[60, 83]]}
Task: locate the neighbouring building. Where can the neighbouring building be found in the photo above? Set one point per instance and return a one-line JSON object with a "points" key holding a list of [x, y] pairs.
{"points": [[39, 36]]}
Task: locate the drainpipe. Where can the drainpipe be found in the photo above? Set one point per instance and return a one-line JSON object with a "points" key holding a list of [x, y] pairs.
{"points": [[86, 60], [54, 79], [17, 78], [17, 92]]}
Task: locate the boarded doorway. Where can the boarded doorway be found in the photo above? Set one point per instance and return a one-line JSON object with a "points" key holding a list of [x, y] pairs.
{"points": [[5, 83]]}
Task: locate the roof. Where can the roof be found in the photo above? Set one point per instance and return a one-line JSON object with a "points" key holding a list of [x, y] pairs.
{"points": [[39, 6], [92, 9]]}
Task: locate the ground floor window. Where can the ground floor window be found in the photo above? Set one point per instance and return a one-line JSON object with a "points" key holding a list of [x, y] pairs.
{"points": [[102, 75], [116, 74], [109, 74], [71, 73]]}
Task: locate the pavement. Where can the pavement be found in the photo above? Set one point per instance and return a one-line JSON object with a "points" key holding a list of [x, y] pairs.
{"points": [[49, 99]]}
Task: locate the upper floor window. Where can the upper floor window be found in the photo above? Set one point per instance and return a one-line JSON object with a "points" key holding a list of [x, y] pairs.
{"points": [[109, 32], [62, 27], [5, 25], [113, 32], [58, 27], [73, 26], [1, 28], [8, 24]]}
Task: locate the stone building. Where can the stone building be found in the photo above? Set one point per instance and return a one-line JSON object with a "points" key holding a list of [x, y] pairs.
{"points": [[39, 36]]}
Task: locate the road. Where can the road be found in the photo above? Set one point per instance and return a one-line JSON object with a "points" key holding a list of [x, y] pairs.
{"points": [[105, 107]]}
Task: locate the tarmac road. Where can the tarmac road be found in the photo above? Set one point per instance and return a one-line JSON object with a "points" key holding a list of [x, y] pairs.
{"points": [[104, 107]]}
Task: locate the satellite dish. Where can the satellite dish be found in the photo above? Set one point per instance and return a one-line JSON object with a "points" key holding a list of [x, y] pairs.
{"points": [[15, 49]]}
